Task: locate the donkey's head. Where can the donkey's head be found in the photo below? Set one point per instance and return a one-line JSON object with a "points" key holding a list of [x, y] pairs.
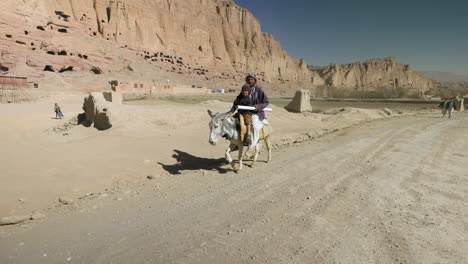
{"points": [[220, 125]]}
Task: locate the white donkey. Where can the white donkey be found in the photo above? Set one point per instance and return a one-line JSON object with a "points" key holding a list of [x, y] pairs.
{"points": [[224, 125]]}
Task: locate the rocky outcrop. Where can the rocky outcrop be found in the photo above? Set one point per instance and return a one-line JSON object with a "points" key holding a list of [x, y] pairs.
{"points": [[201, 40], [98, 112], [12, 220], [373, 74], [211, 33], [113, 97], [89, 35], [460, 101], [300, 102]]}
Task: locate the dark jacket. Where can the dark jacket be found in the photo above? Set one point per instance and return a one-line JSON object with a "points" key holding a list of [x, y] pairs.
{"points": [[246, 101], [259, 98]]}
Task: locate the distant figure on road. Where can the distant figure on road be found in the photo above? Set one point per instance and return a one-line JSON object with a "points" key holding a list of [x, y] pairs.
{"points": [[58, 111], [442, 107], [451, 107], [448, 106]]}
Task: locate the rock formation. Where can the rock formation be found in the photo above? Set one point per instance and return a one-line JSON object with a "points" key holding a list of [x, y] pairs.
{"points": [[300, 103], [98, 112], [373, 74], [113, 97], [12, 220], [460, 101], [387, 111], [89, 36], [204, 40]]}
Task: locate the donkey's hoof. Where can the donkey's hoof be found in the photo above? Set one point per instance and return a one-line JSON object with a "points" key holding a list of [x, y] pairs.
{"points": [[253, 164]]}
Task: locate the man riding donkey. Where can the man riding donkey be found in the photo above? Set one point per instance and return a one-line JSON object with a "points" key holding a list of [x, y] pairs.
{"points": [[225, 124], [251, 95]]}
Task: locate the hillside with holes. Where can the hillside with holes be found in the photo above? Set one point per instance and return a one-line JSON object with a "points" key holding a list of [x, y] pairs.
{"points": [[207, 41]]}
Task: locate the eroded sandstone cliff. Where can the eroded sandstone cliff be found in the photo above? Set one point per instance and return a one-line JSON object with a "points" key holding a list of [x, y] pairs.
{"points": [[192, 35], [372, 74], [195, 39]]}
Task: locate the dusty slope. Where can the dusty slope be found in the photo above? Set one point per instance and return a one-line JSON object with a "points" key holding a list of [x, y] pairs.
{"points": [[384, 192]]}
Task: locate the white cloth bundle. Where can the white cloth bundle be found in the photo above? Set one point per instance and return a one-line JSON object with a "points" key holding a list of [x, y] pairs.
{"points": [[243, 107]]}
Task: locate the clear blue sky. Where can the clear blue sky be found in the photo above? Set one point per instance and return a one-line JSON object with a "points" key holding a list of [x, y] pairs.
{"points": [[429, 35]]}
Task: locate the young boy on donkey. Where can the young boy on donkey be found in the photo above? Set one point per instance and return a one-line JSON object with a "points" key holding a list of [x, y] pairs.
{"points": [[246, 100], [251, 92]]}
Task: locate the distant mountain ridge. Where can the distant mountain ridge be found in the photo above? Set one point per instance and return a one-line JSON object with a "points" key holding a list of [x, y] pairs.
{"points": [[445, 76], [372, 75]]}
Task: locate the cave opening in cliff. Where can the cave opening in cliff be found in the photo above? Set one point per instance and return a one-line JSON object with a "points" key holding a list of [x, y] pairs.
{"points": [[49, 68], [66, 69], [3, 68], [108, 14]]}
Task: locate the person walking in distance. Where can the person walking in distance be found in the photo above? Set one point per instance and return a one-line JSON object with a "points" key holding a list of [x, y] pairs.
{"points": [[442, 107], [58, 112], [451, 107]]}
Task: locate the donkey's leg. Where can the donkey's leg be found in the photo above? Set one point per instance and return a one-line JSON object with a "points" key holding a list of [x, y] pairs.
{"points": [[241, 154], [257, 150], [228, 153], [268, 145]]}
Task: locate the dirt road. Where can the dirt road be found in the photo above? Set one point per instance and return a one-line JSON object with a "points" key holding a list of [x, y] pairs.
{"points": [[390, 191]]}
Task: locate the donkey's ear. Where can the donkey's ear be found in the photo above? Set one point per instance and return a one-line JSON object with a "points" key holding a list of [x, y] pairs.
{"points": [[210, 113]]}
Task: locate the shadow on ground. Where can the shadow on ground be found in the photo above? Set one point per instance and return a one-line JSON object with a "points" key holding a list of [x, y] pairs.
{"points": [[188, 162]]}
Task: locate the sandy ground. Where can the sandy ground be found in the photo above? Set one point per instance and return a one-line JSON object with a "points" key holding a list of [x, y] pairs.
{"points": [[43, 158], [387, 191]]}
